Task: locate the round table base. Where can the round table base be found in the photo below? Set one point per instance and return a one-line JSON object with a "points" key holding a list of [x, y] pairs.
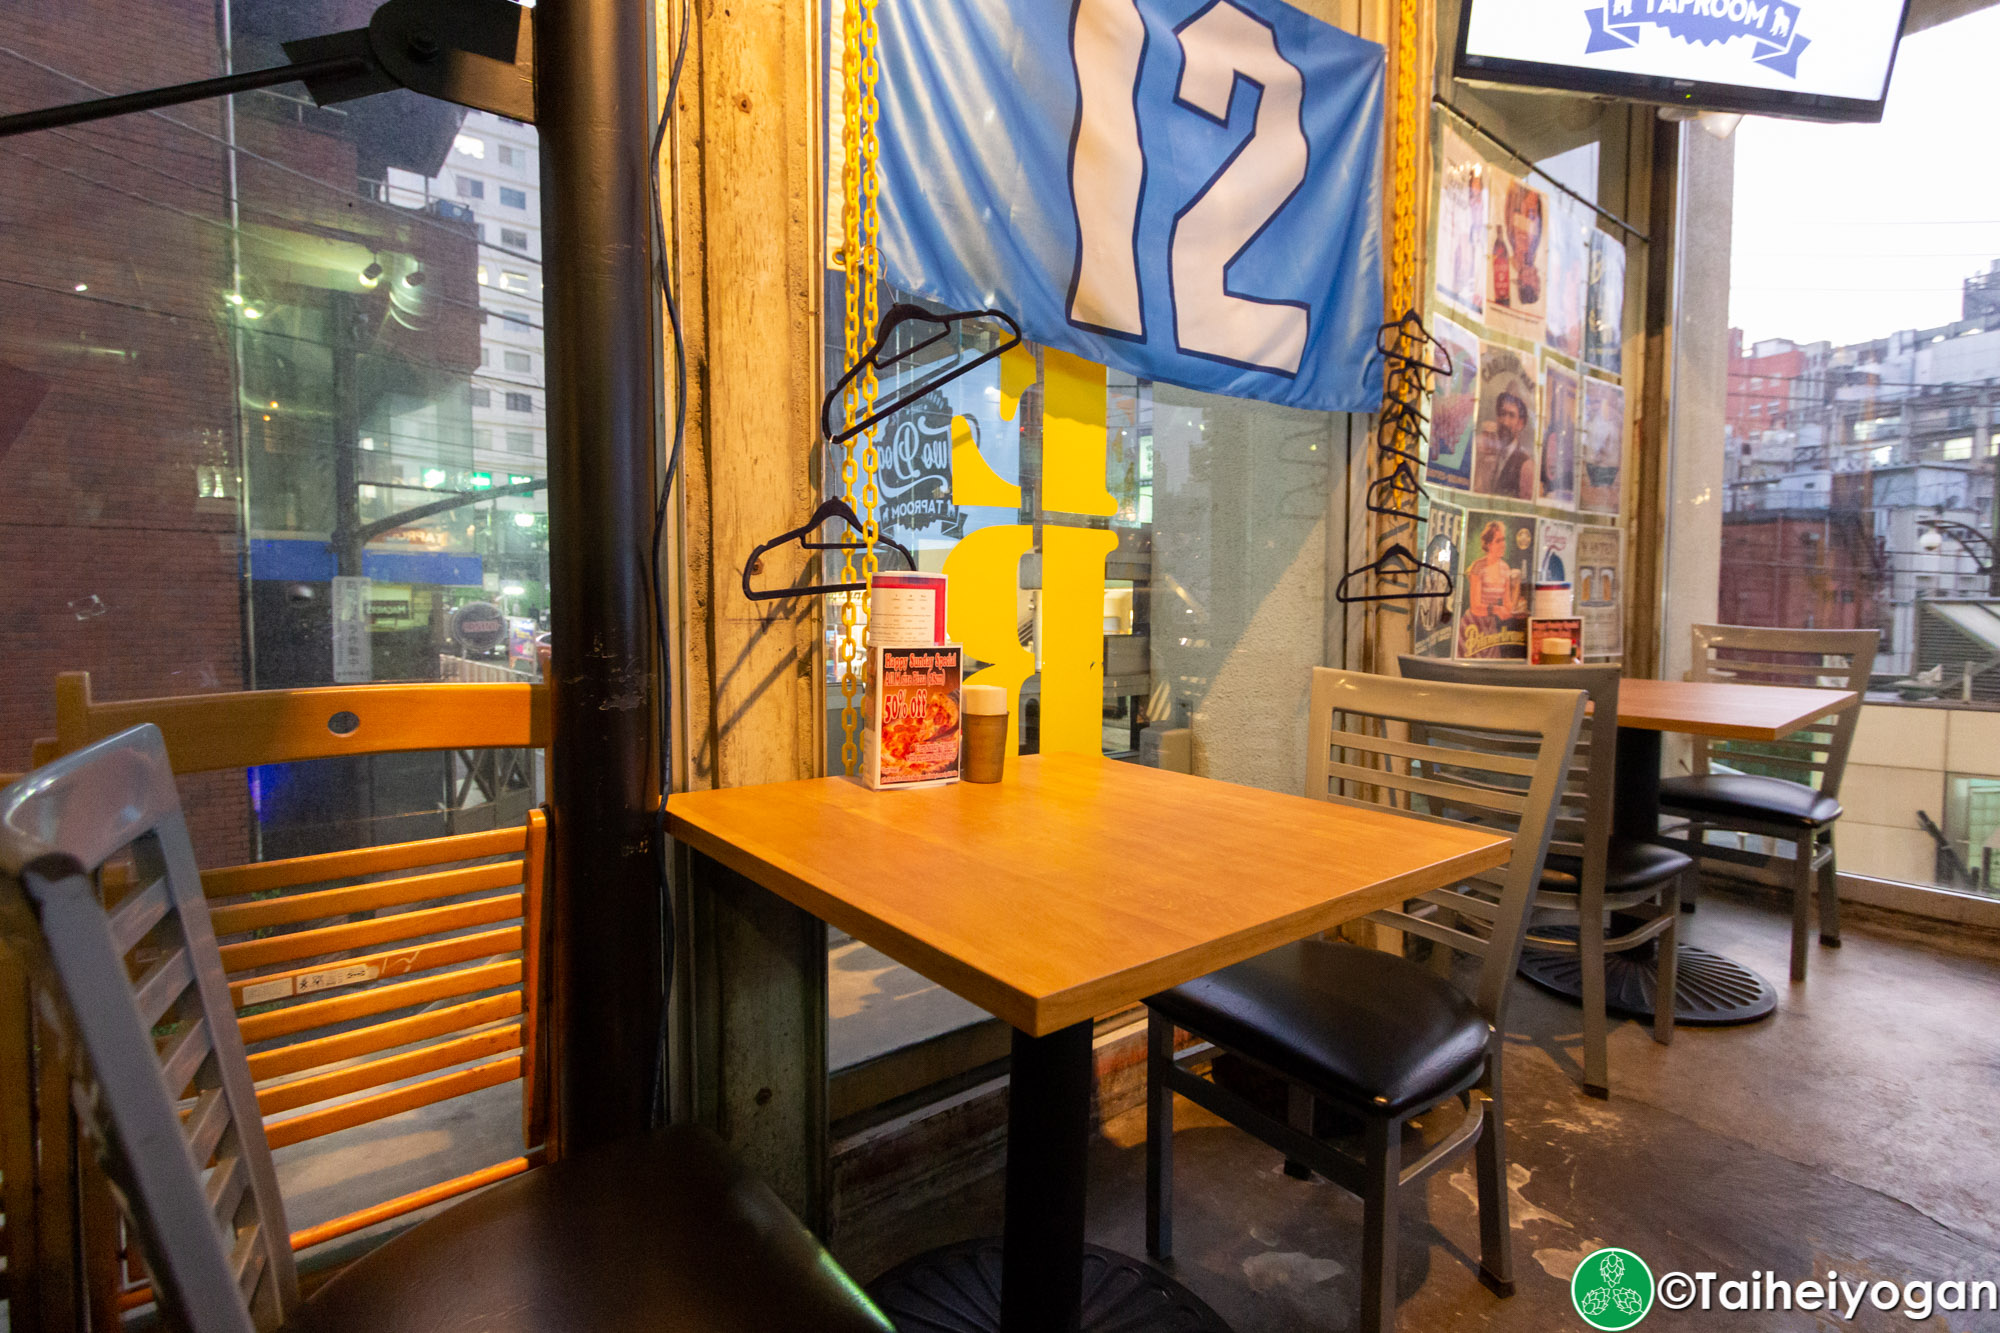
{"points": [[1709, 990], [957, 1288]]}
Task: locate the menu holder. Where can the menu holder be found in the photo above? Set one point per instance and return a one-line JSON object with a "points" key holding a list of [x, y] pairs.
{"points": [[906, 608], [915, 716]]}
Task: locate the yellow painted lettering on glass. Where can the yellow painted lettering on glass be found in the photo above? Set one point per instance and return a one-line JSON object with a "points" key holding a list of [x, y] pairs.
{"points": [[1073, 638], [982, 610], [1073, 436]]}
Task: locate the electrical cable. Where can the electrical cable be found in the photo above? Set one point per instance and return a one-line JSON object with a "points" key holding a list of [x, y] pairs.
{"points": [[658, 1092]]}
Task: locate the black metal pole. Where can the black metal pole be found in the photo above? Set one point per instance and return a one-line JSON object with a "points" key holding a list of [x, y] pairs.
{"points": [[592, 107], [102, 108]]}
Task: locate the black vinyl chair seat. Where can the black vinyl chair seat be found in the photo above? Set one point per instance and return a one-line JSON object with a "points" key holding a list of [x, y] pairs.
{"points": [[663, 1233], [1629, 866], [1748, 796], [1361, 1027]]}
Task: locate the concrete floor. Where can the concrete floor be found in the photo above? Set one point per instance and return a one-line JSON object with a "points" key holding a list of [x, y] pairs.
{"points": [[1857, 1129]]}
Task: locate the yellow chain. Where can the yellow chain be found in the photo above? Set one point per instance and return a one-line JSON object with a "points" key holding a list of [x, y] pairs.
{"points": [[1403, 150], [861, 265], [850, 257], [871, 272]]}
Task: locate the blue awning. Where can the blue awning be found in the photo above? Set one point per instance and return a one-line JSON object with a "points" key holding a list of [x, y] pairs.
{"points": [[297, 561]]}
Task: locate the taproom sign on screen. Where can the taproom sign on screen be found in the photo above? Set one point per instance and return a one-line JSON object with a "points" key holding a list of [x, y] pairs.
{"points": [[1185, 190], [1818, 48]]}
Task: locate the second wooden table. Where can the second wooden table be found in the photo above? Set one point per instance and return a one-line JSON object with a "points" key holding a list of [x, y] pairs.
{"points": [[1711, 990]]}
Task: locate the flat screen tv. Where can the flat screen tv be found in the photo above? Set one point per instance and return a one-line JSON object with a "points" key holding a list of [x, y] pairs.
{"points": [[1815, 59]]}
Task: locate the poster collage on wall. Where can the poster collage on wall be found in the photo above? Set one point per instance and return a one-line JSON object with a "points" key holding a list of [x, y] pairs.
{"points": [[1526, 459]]}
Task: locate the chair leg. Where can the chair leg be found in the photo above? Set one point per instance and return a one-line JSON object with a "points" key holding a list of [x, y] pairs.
{"points": [[1299, 1115], [1802, 891], [1696, 836], [1159, 1138], [1496, 1240], [1379, 1226], [1829, 897], [1590, 948], [1668, 948]]}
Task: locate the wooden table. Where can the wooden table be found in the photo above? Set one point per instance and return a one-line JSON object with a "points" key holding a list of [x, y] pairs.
{"points": [[1073, 890], [1647, 708], [1712, 990]]}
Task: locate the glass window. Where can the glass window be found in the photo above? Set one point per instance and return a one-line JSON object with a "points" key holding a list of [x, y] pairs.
{"points": [[519, 362], [1870, 502], [520, 442], [511, 156], [517, 318], [513, 239], [520, 402], [471, 145], [514, 282], [269, 366], [513, 198]]}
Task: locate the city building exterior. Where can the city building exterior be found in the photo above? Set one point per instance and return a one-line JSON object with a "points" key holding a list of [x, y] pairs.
{"points": [[1859, 484], [491, 179]]}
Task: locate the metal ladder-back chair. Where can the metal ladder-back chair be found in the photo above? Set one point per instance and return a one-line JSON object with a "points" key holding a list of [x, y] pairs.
{"points": [[1588, 875], [664, 1231], [1786, 790], [218, 1246], [1375, 1035]]}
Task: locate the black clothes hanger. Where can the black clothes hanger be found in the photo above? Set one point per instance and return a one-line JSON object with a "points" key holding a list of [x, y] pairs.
{"points": [[1402, 430], [803, 535], [899, 315], [1407, 340], [1396, 492], [1397, 562]]}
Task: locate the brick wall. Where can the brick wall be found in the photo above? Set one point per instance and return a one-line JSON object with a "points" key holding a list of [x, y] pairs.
{"points": [[109, 561]]}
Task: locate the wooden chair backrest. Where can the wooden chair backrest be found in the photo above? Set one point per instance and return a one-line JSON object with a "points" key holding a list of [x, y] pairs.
{"points": [[1490, 755], [1583, 814], [166, 1083], [243, 729], [315, 944], [1840, 659]]}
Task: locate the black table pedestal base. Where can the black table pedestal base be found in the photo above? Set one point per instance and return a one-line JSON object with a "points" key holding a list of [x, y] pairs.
{"points": [[1709, 990], [957, 1288]]}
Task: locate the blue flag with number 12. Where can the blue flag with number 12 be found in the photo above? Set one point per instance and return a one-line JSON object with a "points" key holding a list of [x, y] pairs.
{"points": [[1187, 190]]}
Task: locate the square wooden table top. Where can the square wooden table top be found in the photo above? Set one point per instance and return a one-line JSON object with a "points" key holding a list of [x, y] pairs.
{"points": [[1080, 885], [1724, 708]]}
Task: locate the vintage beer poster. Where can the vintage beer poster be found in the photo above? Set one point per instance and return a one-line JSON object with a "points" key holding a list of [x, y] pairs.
{"points": [[1600, 579], [1434, 626], [1492, 601], [1601, 460], [1517, 256], [1570, 230], [1555, 470], [1504, 446], [1461, 226], [1604, 322], [1555, 550], [1454, 410]]}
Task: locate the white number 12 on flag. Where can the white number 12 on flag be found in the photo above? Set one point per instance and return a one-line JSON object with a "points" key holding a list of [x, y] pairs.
{"points": [[1221, 45]]}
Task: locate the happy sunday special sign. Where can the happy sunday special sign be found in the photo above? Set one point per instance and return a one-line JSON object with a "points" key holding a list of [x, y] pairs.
{"points": [[1829, 48]]}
